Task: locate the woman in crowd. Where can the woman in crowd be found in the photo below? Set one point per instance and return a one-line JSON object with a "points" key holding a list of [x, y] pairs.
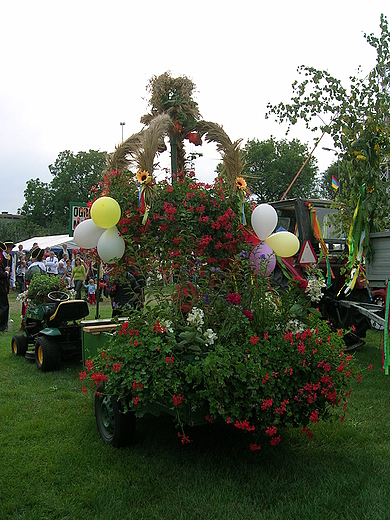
{"points": [[79, 275]]}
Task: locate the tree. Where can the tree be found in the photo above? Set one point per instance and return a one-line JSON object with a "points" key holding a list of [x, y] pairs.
{"points": [[327, 191], [358, 121], [271, 166], [47, 204]]}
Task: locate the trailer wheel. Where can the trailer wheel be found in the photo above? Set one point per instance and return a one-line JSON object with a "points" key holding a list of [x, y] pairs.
{"points": [[115, 427], [358, 320], [19, 345], [47, 354], [379, 300]]}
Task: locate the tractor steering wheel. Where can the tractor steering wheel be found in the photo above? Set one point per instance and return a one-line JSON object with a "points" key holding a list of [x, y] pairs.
{"points": [[58, 296]]}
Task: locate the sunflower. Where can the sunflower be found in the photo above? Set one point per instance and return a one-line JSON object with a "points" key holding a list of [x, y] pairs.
{"points": [[143, 177], [240, 183]]}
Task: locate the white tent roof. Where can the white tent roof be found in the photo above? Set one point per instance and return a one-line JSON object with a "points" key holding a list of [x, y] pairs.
{"points": [[53, 241]]}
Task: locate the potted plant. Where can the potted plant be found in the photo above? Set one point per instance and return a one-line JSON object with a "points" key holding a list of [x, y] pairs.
{"points": [[41, 286]]}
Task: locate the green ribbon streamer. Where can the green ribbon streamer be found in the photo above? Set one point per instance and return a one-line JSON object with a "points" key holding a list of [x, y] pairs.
{"points": [[386, 333]]}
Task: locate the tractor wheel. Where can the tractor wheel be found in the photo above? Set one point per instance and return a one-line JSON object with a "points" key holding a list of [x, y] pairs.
{"points": [[19, 345], [47, 354], [115, 427]]}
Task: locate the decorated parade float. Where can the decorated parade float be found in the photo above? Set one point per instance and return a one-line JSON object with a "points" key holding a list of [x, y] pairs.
{"points": [[215, 341]]}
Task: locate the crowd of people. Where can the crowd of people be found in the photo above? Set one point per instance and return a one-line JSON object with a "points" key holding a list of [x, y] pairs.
{"points": [[79, 270]]}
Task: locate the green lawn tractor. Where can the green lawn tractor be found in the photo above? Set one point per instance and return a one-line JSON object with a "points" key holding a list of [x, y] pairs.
{"points": [[53, 330]]}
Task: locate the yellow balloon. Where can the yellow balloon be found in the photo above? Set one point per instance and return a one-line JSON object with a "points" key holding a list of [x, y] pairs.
{"points": [[283, 243], [105, 212]]}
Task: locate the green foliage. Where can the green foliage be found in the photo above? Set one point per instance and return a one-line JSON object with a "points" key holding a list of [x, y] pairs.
{"points": [[272, 165], [47, 205], [212, 331], [41, 285], [274, 365], [356, 117]]}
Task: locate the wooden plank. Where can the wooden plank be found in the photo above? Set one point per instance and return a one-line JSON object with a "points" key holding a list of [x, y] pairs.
{"points": [[97, 329]]}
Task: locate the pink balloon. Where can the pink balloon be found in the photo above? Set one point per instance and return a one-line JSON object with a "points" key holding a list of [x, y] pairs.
{"points": [[262, 258]]}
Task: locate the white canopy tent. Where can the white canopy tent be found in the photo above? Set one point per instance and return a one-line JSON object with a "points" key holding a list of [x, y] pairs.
{"points": [[52, 241]]}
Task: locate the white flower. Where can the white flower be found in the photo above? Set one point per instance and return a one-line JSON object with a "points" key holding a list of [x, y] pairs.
{"points": [[295, 326], [195, 317], [210, 336], [167, 324], [314, 288]]}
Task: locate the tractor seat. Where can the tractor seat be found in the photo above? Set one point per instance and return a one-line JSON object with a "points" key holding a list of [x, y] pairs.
{"points": [[70, 310]]}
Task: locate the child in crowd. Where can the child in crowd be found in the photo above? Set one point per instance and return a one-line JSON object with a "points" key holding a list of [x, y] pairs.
{"points": [[91, 288]]}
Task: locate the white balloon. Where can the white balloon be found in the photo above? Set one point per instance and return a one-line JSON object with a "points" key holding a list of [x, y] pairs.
{"points": [[87, 234], [264, 220], [110, 246]]}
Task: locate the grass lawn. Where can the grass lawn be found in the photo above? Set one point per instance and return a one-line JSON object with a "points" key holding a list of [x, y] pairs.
{"points": [[54, 465]]}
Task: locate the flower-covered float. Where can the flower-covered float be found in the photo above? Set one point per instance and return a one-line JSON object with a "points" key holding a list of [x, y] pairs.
{"points": [[215, 341]]}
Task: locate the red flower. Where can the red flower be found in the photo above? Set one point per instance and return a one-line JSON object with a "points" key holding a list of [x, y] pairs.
{"points": [[267, 403], [359, 378], [99, 377], [169, 359], [82, 375], [89, 364], [370, 366], [209, 419], [254, 339], [254, 447], [275, 440], [135, 400], [314, 417], [266, 336], [265, 379], [248, 314], [271, 430], [234, 298], [177, 399], [184, 439]]}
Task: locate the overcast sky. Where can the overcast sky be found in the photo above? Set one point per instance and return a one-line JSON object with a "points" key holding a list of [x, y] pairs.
{"points": [[72, 71]]}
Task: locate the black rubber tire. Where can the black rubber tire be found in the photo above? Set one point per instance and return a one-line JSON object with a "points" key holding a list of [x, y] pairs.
{"points": [[379, 300], [19, 345], [115, 427], [47, 354], [355, 318]]}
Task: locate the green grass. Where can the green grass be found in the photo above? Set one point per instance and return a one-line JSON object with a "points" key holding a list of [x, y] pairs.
{"points": [[53, 464]]}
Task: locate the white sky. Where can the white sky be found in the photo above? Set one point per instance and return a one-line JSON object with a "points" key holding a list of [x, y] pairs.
{"points": [[72, 71]]}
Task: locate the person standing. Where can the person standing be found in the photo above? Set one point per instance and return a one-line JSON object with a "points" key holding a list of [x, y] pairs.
{"points": [[78, 275], [91, 288], [64, 251], [51, 263], [4, 289], [20, 274], [10, 263], [127, 293], [37, 267]]}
